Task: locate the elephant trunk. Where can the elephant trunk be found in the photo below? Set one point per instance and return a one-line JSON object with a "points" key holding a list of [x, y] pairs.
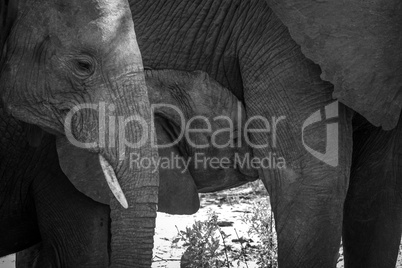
{"points": [[133, 228], [133, 209]]}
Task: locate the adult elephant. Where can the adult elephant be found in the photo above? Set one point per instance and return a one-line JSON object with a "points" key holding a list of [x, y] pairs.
{"points": [[263, 51], [59, 55]]}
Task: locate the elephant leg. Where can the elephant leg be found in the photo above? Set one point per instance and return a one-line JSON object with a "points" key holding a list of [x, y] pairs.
{"points": [[18, 224], [307, 195], [308, 131], [74, 228], [372, 223]]}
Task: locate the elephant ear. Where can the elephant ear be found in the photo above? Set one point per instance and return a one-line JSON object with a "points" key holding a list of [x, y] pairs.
{"points": [[358, 45], [83, 170], [177, 190]]}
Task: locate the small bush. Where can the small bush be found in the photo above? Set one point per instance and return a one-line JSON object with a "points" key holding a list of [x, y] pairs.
{"points": [[207, 246], [203, 242], [262, 225]]}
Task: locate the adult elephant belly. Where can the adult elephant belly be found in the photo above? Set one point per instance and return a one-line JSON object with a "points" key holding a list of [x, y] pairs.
{"points": [[203, 35]]}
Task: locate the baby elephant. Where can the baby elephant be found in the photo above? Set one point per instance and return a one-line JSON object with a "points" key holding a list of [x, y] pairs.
{"points": [[199, 127], [207, 122]]}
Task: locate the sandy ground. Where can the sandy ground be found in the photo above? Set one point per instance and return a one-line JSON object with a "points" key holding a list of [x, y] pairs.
{"points": [[230, 206]]}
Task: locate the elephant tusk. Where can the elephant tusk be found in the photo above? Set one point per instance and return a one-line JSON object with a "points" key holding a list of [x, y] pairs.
{"points": [[112, 181]]}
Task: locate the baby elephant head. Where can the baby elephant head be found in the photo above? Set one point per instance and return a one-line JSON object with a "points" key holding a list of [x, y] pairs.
{"points": [[202, 122]]}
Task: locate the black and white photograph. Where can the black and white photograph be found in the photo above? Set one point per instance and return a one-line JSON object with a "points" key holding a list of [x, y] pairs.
{"points": [[200, 134]]}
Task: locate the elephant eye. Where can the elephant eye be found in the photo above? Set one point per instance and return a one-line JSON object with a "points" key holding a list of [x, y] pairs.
{"points": [[84, 67]]}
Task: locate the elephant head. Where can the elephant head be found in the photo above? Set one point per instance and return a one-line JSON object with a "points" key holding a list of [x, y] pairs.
{"points": [[62, 62], [177, 98], [213, 127]]}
